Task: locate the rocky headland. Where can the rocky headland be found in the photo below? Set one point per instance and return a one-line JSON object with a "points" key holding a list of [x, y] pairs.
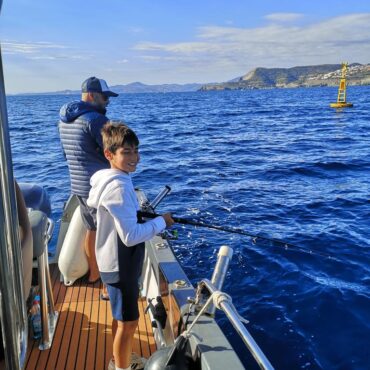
{"points": [[306, 76]]}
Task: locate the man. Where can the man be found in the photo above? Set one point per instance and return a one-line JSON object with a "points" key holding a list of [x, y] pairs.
{"points": [[79, 128]]}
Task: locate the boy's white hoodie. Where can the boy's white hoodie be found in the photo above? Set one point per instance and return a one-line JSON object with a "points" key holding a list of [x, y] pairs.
{"points": [[113, 195]]}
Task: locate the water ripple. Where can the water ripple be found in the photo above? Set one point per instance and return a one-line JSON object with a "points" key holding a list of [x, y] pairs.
{"points": [[292, 169]]}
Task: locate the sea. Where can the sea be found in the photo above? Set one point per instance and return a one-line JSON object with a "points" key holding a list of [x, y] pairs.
{"points": [[276, 163]]}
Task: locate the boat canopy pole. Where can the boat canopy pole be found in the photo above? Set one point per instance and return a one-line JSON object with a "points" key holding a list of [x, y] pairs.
{"points": [[12, 303], [275, 242]]}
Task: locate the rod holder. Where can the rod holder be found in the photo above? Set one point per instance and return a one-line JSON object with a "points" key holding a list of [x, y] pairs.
{"points": [[154, 203]]}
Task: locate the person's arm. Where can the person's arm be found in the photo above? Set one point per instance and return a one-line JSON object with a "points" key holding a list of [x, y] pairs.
{"points": [[60, 142], [95, 129], [122, 207]]}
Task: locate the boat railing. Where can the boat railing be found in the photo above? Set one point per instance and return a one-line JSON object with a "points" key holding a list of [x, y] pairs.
{"points": [[42, 228], [223, 302], [12, 306]]}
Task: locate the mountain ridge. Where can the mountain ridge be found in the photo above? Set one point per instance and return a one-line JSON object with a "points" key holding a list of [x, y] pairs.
{"points": [[300, 76], [131, 88], [257, 78]]}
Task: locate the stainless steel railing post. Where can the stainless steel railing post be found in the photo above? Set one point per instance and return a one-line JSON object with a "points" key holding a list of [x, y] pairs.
{"points": [[224, 256], [49, 287], [49, 290], [41, 265], [48, 314], [12, 306]]}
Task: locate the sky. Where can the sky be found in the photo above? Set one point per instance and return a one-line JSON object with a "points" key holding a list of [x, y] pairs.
{"points": [[51, 45]]}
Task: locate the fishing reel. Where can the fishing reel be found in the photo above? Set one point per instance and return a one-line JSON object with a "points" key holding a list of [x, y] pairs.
{"points": [[172, 234]]}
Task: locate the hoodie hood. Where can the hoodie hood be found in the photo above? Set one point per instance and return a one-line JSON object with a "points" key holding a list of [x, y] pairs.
{"points": [[100, 181], [70, 111]]}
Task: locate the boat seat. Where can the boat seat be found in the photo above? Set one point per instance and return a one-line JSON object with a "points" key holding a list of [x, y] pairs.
{"points": [[38, 203], [36, 197]]}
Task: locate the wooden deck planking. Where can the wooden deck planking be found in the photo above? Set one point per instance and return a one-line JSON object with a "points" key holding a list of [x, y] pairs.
{"points": [[67, 333], [58, 335], [72, 354], [151, 341], [100, 355], [92, 330], [83, 336], [145, 352], [59, 290], [84, 331]]}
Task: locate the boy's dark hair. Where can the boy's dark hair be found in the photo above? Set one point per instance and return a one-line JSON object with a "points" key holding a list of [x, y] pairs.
{"points": [[116, 134]]}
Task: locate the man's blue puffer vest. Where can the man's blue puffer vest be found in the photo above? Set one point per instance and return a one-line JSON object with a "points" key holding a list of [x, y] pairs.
{"points": [[79, 128]]}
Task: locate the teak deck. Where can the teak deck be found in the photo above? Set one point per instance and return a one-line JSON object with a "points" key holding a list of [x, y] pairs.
{"points": [[83, 336]]}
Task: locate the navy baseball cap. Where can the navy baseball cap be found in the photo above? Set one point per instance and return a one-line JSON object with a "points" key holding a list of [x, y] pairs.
{"points": [[93, 84]]}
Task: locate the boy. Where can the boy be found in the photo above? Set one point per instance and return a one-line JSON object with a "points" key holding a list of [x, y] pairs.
{"points": [[120, 237]]}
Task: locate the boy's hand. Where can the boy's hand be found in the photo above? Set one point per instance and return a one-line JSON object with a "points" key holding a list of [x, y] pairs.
{"points": [[168, 219]]}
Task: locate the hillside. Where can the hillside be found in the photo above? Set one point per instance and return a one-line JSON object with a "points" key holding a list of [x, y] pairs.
{"points": [[306, 76], [138, 87], [133, 88], [258, 78]]}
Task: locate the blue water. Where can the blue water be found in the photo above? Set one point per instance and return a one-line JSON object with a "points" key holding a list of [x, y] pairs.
{"points": [[279, 163]]}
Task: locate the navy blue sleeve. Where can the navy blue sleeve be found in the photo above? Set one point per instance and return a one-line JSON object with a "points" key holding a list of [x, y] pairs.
{"points": [[60, 141], [95, 127]]}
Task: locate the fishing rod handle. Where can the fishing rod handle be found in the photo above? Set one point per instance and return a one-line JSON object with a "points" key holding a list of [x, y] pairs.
{"points": [[146, 214]]}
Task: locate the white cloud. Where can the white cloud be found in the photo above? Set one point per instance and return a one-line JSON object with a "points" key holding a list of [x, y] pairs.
{"points": [[14, 47], [135, 30], [42, 50], [42, 57], [283, 17], [151, 57], [184, 47], [238, 49]]}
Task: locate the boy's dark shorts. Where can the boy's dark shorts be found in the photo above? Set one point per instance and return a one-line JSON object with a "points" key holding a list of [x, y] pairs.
{"points": [[123, 301], [124, 295], [88, 214]]}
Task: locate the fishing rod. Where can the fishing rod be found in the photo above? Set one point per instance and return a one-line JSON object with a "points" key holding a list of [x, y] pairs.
{"points": [[277, 242]]}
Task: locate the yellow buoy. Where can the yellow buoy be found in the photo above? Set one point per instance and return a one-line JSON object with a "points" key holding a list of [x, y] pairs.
{"points": [[341, 100]]}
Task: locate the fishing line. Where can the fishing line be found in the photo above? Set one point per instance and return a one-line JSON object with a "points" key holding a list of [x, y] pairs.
{"points": [[254, 237]]}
